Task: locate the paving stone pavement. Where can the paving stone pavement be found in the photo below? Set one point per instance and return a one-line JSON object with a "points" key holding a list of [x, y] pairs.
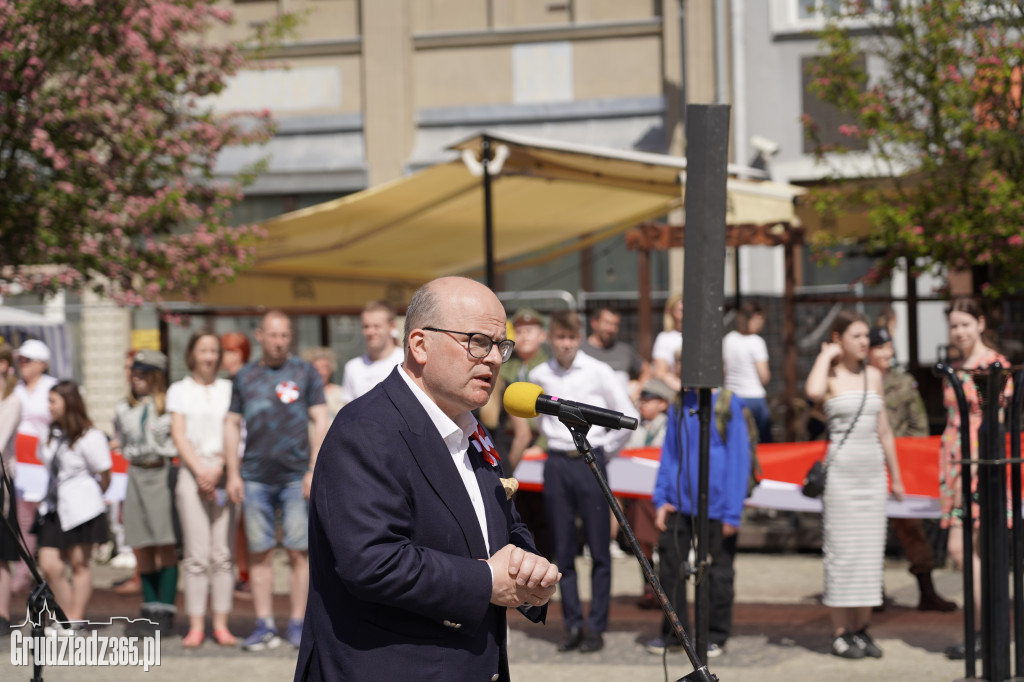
{"points": [[780, 633]]}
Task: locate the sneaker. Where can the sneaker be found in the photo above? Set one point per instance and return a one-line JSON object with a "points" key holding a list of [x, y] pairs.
{"points": [[660, 645], [864, 642], [958, 652], [56, 629], [263, 637], [715, 650], [124, 560], [294, 633], [844, 647]]}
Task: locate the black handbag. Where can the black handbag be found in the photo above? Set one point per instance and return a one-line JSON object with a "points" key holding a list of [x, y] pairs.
{"points": [[814, 480]]}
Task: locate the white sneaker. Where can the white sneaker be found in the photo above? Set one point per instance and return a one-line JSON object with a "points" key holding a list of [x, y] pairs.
{"points": [[616, 551], [715, 650], [56, 629], [124, 560]]}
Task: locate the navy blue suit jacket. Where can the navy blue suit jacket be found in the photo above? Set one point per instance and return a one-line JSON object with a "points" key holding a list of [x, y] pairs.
{"points": [[397, 589]]}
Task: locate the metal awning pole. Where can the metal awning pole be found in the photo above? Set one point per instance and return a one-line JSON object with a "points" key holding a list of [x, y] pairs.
{"points": [[485, 161]]}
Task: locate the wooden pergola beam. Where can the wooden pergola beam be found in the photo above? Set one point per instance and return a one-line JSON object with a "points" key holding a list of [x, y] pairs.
{"points": [[658, 236]]}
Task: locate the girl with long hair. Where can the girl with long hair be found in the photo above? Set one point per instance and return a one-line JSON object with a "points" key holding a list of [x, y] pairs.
{"points": [[72, 519], [198, 405], [143, 427], [967, 332], [861, 447]]}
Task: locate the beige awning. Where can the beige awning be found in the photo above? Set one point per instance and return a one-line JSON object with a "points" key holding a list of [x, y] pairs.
{"points": [[386, 241]]}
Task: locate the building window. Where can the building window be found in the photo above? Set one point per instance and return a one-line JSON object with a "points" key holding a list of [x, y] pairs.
{"points": [[800, 16]]}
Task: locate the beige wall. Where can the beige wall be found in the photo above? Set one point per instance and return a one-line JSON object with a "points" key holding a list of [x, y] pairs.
{"points": [[319, 19], [617, 67], [388, 108], [444, 16], [606, 68], [462, 76], [614, 10], [324, 19]]}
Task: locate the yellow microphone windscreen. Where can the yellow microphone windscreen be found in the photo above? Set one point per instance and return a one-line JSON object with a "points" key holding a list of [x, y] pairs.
{"points": [[521, 399]]}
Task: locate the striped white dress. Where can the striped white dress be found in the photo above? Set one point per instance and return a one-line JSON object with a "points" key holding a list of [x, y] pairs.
{"points": [[854, 503]]}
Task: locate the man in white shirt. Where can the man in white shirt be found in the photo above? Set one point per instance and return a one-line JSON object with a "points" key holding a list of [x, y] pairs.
{"points": [[569, 485], [382, 352]]}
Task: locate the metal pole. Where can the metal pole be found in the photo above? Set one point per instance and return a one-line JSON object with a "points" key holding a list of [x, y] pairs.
{"points": [[912, 331], [1017, 522], [789, 337], [485, 161], [967, 526], [701, 606], [995, 611]]}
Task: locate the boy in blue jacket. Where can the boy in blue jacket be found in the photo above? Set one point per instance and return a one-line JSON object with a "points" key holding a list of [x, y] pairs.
{"points": [[675, 498]]}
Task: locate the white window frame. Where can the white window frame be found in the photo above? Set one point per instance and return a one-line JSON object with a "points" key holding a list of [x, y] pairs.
{"points": [[784, 17]]}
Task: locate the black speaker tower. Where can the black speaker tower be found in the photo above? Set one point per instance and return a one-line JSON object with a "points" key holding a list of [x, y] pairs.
{"points": [[707, 150]]}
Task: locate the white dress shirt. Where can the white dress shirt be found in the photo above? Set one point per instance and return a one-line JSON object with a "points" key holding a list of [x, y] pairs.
{"points": [[361, 374], [590, 381], [456, 437]]}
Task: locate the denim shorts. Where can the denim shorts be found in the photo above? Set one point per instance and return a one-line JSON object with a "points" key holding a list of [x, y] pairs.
{"points": [[260, 507]]}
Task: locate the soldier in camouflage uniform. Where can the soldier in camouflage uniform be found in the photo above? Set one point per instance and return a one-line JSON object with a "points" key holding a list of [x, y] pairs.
{"points": [[905, 410]]}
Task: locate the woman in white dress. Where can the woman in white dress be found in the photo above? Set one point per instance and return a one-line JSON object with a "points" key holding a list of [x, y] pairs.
{"points": [[861, 447]]}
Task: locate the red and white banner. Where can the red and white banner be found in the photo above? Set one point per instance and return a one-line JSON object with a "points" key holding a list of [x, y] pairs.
{"points": [[783, 466], [31, 478]]}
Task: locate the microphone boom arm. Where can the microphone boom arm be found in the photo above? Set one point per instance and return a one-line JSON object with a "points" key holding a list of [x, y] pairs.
{"points": [[579, 427]]}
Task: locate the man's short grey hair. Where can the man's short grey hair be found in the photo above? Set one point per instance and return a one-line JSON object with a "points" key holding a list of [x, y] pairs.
{"points": [[424, 310]]}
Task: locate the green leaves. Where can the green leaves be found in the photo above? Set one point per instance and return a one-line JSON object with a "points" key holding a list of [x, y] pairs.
{"points": [[106, 162], [942, 122]]}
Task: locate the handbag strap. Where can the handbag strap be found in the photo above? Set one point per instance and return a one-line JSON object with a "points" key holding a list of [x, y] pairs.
{"points": [[863, 399]]}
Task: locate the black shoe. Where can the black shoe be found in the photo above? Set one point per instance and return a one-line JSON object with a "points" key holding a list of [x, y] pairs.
{"points": [[572, 640], [958, 652], [864, 642], [592, 641], [844, 647]]}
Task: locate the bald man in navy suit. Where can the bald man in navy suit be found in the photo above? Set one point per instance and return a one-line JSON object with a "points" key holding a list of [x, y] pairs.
{"points": [[415, 551]]}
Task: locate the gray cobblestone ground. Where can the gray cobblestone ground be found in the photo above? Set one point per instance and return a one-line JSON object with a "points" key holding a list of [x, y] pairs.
{"points": [[780, 633]]}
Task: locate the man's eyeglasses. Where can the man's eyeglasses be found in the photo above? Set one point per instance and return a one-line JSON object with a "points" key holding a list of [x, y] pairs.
{"points": [[22, 360], [479, 345]]}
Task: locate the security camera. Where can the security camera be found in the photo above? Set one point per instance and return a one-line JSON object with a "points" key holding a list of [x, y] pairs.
{"points": [[764, 145]]}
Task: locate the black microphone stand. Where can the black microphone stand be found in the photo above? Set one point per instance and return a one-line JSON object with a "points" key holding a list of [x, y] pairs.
{"points": [[41, 599], [579, 427]]}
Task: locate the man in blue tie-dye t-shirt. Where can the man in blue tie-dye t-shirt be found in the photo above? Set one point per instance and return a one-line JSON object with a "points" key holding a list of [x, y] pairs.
{"points": [[277, 396]]}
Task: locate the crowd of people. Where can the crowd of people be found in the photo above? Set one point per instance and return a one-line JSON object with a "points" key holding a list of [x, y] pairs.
{"points": [[240, 456]]}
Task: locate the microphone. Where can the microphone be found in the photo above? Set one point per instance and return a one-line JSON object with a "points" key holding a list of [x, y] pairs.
{"points": [[523, 399]]}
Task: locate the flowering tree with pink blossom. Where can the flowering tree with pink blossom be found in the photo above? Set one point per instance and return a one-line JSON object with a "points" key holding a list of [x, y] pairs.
{"points": [[108, 143], [940, 117]]}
